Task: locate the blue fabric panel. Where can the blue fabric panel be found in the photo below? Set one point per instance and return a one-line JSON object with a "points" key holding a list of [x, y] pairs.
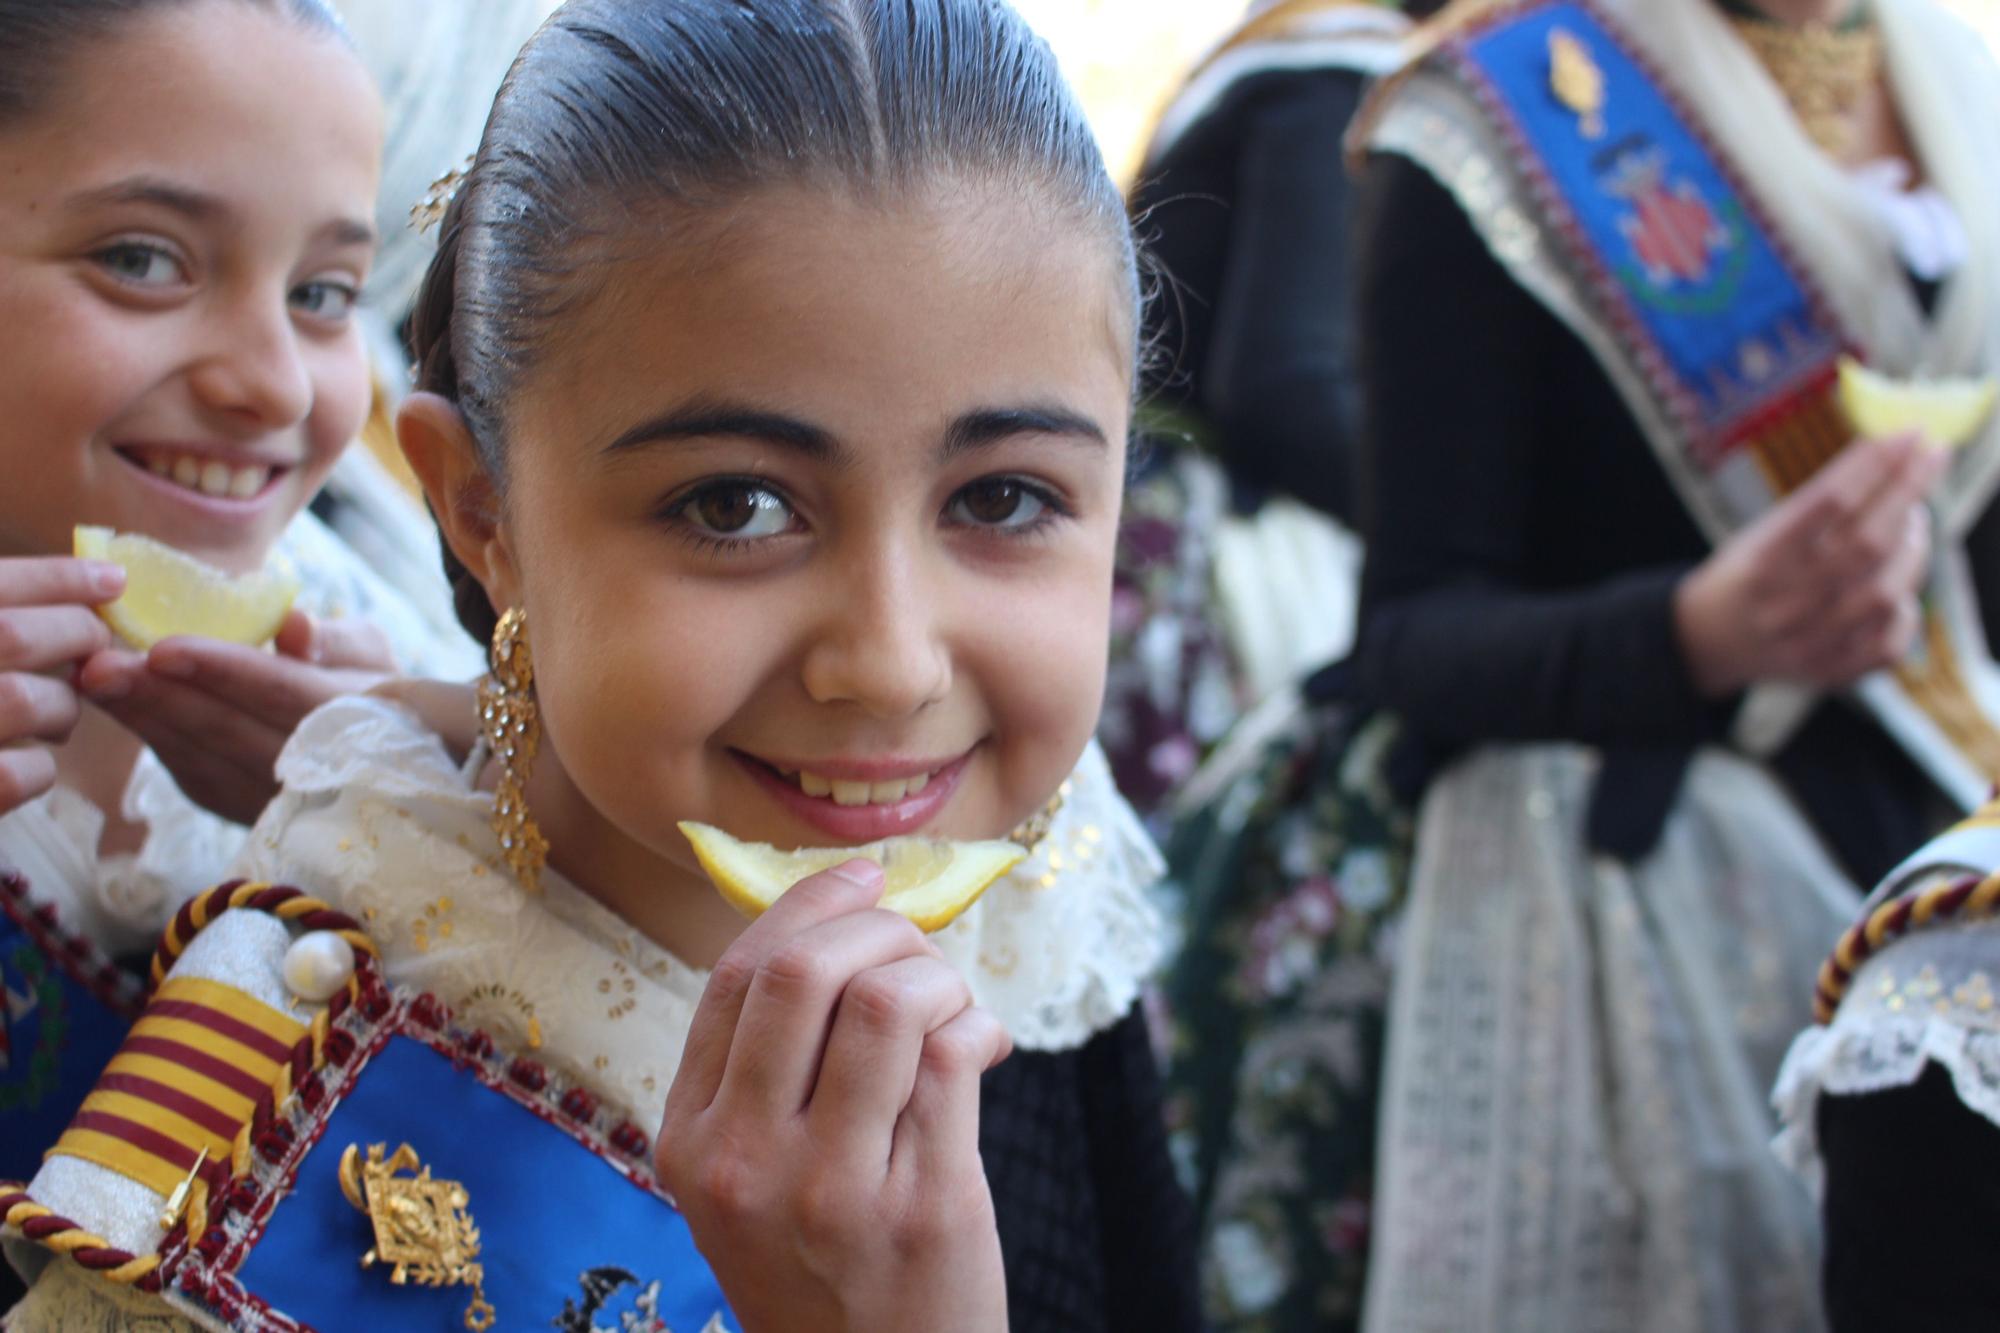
{"points": [[55, 1039], [556, 1221], [1736, 291]]}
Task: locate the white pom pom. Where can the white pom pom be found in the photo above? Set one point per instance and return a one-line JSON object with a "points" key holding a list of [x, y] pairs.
{"points": [[318, 965]]}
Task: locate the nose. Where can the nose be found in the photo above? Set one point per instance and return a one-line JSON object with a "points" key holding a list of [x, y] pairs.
{"points": [[880, 643], [256, 370]]}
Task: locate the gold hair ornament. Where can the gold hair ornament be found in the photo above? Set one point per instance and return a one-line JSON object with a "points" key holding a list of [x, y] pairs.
{"points": [[429, 211]]}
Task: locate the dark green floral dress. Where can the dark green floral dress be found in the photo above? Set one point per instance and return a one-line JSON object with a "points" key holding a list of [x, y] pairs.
{"points": [[1292, 873]]}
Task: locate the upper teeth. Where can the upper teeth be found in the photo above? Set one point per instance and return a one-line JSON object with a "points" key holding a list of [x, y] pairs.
{"points": [[210, 476], [860, 793]]}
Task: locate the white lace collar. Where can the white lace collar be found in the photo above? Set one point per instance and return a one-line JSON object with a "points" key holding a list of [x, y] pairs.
{"points": [[378, 819]]}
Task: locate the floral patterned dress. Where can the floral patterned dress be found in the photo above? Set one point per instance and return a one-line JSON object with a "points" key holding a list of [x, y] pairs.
{"points": [[1292, 871]]}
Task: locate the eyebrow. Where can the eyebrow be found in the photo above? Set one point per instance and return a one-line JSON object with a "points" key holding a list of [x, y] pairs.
{"points": [[979, 429], [197, 206]]}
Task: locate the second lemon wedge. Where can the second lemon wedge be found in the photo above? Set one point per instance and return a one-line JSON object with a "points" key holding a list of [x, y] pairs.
{"points": [[1947, 412], [930, 881], [168, 592]]}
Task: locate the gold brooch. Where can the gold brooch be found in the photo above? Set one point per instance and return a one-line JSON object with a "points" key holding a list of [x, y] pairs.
{"points": [[421, 1225], [1577, 81]]}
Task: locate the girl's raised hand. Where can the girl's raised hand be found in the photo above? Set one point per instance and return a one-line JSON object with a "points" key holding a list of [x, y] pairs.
{"points": [[822, 1134], [47, 631], [1823, 589], [217, 714]]}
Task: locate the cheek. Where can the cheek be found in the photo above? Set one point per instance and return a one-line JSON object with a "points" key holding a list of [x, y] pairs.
{"points": [[1041, 664], [342, 393]]}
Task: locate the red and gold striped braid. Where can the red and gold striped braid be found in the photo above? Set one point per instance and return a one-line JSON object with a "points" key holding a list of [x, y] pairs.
{"points": [[1968, 898], [286, 904], [63, 1236]]}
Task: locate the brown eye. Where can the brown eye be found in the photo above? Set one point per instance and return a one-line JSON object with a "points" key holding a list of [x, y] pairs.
{"points": [[738, 509], [998, 502]]}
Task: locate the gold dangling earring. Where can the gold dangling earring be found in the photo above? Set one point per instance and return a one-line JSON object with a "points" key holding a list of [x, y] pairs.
{"points": [[512, 725], [1035, 829]]}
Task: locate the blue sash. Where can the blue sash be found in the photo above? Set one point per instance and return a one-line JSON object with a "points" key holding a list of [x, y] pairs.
{"points": [[1700, 292], [572, 1234], [63, 1012]]}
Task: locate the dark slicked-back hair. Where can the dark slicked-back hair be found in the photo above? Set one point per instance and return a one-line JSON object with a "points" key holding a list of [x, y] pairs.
{"points": [[623, 118]]}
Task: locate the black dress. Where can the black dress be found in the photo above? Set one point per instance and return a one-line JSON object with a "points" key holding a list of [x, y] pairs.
{"points": [[1524, 546], [1095, 1232], [1247, 218]]}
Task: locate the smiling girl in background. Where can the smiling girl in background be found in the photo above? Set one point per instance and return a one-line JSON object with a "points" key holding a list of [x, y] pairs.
{"points": [[775, 375], [185, 231]]}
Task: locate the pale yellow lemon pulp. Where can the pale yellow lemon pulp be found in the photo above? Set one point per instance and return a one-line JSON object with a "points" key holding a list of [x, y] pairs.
{"points": [[1947, 412], [929, 881], [169, 593]]}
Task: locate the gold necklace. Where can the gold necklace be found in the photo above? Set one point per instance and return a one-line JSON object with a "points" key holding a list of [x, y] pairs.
{"points": [[1825, 72]]}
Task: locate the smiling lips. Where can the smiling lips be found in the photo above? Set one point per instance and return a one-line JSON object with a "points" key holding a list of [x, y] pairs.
{"points": [[856, 793], [870, 800], [212, 477]]}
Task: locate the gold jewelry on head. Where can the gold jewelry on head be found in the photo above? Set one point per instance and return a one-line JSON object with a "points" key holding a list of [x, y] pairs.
{"points": [[512, 725], [1035, 828], [429, 211]]}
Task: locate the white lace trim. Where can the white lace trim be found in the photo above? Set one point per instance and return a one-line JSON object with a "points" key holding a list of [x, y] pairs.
{"points": [[378, 819], [1932, 997]]}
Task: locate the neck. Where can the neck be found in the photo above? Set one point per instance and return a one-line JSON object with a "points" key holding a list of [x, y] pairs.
{"points": [[1801, 13], [672, 905]]}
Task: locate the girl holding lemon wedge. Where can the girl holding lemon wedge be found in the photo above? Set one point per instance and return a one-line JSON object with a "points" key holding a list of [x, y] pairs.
{"points": [[775, 373], [186, 228]]}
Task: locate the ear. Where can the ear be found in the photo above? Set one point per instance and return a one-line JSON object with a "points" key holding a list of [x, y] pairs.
{"points": [[439, 445]]}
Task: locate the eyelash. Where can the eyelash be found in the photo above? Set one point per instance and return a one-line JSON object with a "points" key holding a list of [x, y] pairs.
{"points": [[348, 293], [674, 512]]}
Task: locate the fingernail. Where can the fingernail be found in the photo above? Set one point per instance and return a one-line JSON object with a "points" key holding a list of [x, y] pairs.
{"points": [[859, 871], [173, 668], [108, 580]]}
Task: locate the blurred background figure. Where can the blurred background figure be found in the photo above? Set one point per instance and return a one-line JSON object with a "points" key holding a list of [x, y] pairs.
{"points": [[1237, 570], [1640, 632]]}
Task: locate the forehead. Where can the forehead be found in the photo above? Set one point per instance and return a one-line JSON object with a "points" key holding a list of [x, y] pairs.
{"points": [[224, 96], [868, 316]]}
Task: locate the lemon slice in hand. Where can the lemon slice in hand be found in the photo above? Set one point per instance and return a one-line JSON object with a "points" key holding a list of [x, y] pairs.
{"points": [[930, 881], [169, 593], [1945, 412]]}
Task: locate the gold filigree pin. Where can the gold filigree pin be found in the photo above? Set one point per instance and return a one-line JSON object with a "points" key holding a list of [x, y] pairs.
{"points": [[422, 1228], [429, 211], [1577, 81]]}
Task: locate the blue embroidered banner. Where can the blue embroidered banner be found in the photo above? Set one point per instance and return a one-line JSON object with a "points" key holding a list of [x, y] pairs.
{"points": [[567, 1242], [1706, 293], [56, 1036]]}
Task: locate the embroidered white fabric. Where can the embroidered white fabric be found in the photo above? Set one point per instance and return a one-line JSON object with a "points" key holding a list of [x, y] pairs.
{"points": [[378, 819], [122, 903], [1932, 997], [1575, 1130]]}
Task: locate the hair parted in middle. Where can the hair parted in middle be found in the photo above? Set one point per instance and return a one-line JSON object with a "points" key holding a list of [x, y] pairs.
{"points": [[642, 114]]}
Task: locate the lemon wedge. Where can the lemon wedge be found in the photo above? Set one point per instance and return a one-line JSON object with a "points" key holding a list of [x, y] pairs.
{"points": [[1946, 412], [930, 881], [168, 593]]}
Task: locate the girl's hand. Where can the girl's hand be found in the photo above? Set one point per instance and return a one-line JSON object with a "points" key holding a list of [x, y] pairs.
{"points": [[217, 714], [47, 629], [822, 1135], [1823, 589]]}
